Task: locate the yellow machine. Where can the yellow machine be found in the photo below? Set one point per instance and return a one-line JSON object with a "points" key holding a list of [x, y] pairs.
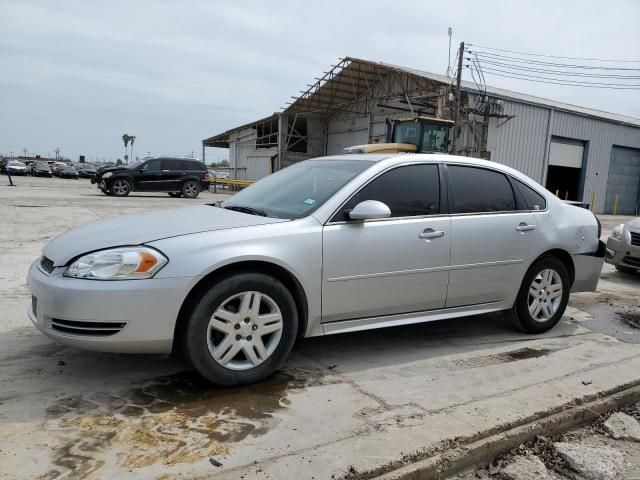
{"points": [[416, 134]]}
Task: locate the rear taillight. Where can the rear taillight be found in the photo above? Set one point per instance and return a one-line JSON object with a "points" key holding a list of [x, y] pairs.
{"points": [[205, 176]]}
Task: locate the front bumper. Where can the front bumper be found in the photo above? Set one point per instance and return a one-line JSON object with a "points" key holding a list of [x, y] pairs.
{"points": [[147, 309], [587, 268], [620, 252]]}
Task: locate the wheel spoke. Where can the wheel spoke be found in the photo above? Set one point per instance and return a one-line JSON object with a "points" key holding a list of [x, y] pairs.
{"points": [[546, 310], [226, 350], [254, 309], [245, 304], [269, 323], [536, 310], [554, 293], [250, 353], [535, 286], [223, 314], [260, 348], [230, 354], [221, 326]]}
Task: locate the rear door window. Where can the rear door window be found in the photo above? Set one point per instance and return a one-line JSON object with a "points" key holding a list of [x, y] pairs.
{"points": [[532, 199], [408, 191], [173, 164], [478, 190]]}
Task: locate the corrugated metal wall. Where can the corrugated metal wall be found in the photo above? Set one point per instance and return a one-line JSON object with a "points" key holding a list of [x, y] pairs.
{"points": [[346, 133], [521, 143], [602, 136]]}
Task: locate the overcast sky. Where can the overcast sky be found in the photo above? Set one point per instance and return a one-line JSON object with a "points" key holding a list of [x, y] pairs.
{"points": [[77, 74]]}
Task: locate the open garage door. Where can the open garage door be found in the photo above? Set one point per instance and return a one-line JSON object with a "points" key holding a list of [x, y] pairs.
{"points": [[564, 175], [623, 180]]}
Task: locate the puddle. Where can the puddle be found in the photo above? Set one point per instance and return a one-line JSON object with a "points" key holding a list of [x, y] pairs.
{"points": [[171, 420], [506, 357], [631, 319]]}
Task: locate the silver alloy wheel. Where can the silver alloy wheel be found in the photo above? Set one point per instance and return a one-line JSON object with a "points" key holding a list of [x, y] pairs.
{"points": [[190, 189], [121, 187], [545, 295], [244, 330]]}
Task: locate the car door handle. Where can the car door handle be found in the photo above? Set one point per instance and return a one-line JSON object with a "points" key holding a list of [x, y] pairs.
{"points": [[429, 234], [523, 227]]}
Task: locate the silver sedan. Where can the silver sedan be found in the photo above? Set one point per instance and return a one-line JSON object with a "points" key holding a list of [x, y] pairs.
{"points": [[329, 245], [623, 247]]}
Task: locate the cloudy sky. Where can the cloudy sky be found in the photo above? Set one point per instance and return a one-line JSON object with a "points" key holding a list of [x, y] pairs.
{"points": [[77, 74]]}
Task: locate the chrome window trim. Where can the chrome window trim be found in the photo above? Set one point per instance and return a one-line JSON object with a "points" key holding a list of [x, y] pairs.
{"points": [[360, 222]]}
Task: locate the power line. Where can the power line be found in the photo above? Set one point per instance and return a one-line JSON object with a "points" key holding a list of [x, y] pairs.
{"points": [[554, 56], [555, 81], [553, 72], [497, 56]]}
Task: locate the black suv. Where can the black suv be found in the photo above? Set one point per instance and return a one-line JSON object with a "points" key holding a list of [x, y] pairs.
{"points": [[176, 176]]}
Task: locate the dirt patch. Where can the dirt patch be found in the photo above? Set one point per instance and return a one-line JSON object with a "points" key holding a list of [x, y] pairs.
{"points": [[171, 420], [505, 357], [631, 319]]}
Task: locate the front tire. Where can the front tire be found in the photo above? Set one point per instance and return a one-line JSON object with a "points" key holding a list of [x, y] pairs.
{"points": [[120, 187], [241, 330], [543, 296], [190, 189]]}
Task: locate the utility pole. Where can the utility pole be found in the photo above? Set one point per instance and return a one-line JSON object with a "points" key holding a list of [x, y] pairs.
{"points": [[456, 126]]}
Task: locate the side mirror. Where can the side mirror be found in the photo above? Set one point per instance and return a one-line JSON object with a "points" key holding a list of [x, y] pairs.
{"points": [[369, 210]]}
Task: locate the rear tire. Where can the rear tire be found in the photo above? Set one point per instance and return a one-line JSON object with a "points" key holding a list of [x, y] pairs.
{"points": [[542, 298], [190, 189], [241, 330], [120, 187]]}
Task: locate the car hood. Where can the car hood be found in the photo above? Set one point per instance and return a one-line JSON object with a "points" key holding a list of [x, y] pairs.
{"points": [[139, 228], [115, 168]]}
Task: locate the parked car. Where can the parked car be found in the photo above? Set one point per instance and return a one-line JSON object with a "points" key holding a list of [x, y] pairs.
{"points": [[66, 171], [16, 168], [40, 169], [86, 170], [623, 247], [328, 245], [176, 176]]}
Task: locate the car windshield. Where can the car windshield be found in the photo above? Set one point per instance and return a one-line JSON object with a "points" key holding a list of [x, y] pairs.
{"points": [[42, 165], [297, 190]]}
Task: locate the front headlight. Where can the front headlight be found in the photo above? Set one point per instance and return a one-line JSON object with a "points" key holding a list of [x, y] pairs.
{"points": [[126, 263], [617, 232], [107, 175]]}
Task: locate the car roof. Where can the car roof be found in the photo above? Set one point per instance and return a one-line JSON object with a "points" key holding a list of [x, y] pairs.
{"points": [[404, 157]]}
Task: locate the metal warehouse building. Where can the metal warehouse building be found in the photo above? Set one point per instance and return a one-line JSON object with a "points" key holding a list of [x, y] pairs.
{"points": [[576, 152]]}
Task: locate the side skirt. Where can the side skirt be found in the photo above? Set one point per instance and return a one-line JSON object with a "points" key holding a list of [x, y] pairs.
{"points": [[344, 326]]}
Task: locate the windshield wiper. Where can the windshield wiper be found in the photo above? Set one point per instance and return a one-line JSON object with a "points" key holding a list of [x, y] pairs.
{"points": [[250, 210]]}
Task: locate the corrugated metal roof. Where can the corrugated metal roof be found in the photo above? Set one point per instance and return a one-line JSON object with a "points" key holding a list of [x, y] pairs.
{"points": [[522, 97], [352, 77]]}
